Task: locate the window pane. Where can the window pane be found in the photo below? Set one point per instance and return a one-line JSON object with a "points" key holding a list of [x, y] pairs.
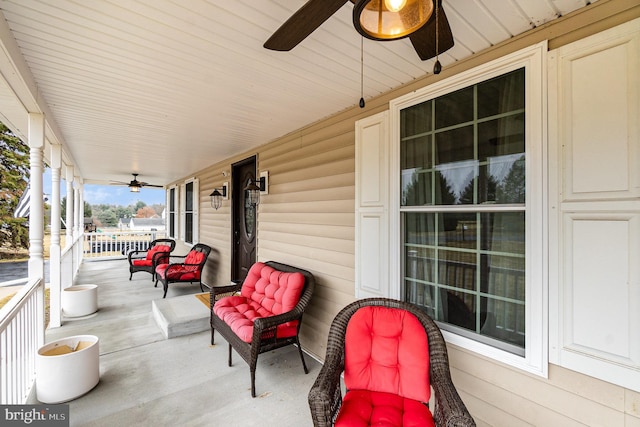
{"points": [[454, 108], [416, 120], [419, 229], [188, 232], [455, 166], [416, 188], [504, 93], [189, 197], [503, 232], [416, 176]]}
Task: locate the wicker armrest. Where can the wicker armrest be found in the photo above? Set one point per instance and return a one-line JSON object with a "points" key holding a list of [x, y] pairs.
{"points": [[449, 409], [225, 289], [262, 323], [325, 396], [131, 256]]}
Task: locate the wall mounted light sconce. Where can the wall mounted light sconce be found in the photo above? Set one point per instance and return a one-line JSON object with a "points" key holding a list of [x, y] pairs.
{"points": [[218, 195], [257, 187]]}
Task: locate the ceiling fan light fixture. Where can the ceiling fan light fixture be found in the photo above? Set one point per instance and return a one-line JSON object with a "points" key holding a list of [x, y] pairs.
{"points": [[134, 188], [390, 19]]}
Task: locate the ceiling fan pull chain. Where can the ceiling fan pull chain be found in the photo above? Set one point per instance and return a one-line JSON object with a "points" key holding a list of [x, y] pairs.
{"points": [[437, 67], [362, 72]]}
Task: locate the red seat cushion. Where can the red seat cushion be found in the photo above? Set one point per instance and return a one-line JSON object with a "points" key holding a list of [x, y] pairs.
{"points": [[265, 292], [387, 351], [177, 273], [142, 262], [363, 408]]}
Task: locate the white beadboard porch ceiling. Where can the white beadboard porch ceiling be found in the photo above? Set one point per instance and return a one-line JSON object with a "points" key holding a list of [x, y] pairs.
{"points": [[165, 88]]}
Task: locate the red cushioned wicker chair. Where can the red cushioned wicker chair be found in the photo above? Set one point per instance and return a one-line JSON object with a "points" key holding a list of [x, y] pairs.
{"points": [[392, 354], [147, 260], [265, 315], [189, 269]]}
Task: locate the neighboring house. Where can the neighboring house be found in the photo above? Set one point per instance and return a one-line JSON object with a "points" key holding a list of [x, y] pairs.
{"points": [[146, 224]]}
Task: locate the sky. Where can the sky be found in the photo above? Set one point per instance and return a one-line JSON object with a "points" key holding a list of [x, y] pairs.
{"points": [[109, 194]]}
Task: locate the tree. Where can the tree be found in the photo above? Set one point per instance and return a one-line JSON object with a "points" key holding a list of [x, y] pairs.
{"points": [[146, 212], [14, 173]]}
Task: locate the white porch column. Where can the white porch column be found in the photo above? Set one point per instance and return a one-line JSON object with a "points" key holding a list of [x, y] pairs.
{"points": [[78, 221], [36, 215], [69, 208], [55, 304]]}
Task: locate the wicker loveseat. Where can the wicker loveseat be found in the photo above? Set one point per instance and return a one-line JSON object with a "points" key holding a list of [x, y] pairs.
{"points": [[392, 355], [265, 315]]}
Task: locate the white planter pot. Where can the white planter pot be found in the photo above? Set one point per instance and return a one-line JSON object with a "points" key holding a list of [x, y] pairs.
{"points": [[63, 374], [80, 300]]}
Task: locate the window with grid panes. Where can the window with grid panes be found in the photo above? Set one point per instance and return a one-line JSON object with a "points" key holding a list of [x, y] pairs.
{"points": [[172, 212], [462, 161], [188, 212]]}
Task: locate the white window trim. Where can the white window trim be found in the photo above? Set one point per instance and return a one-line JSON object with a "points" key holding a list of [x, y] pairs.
{"points": [[182, 206], [533, 59]]}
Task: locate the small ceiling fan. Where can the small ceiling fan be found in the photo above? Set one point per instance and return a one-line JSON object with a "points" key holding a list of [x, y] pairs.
{"points": [[423, 35], [135, 185]]}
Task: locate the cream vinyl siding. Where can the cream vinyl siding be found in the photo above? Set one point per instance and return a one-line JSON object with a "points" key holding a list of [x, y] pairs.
{"points": [[308, 220]]}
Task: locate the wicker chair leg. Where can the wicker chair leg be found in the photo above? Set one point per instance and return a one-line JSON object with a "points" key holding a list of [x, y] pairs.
{"points": [[304, 365], [229, 354], [130, 274], [253, 382], [212, 333], [166, 288]]}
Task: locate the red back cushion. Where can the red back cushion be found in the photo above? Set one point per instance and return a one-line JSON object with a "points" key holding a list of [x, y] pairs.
{"points": [[193, 257], [151, 251], [162, 259], [387, 350], [275, 290]]}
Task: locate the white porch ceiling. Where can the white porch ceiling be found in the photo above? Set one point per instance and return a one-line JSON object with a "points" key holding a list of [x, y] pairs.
{"points": [[165, 88]]}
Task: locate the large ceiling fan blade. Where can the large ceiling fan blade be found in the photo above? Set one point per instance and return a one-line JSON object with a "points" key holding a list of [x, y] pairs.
{"points": [[424, 40], [302, 23], [146, 184]]}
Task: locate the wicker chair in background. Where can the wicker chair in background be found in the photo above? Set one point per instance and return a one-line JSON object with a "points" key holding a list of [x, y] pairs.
{"points": [[325, 397], [147, 260], [184, 268]]}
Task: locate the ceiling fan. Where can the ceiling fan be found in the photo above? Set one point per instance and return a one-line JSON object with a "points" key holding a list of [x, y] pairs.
{"points": [[135, 185], [314, 12]]}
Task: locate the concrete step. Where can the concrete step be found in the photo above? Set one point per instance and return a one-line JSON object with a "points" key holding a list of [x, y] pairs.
{"points": [[180, 316]]}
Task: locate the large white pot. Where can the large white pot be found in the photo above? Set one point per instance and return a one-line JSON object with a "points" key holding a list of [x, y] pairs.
{"points": [[80, 300], [63, 374]]}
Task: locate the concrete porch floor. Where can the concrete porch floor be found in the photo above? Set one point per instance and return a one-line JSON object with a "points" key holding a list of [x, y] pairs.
{"points": [[146, 379]]}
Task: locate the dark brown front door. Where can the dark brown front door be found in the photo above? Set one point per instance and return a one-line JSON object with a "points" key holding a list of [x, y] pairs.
{"points": [[244, 220]]}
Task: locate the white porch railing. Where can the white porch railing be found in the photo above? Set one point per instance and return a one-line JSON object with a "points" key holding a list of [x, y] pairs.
{"points": [[21, 334], [114, 244], [22, 326]]}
